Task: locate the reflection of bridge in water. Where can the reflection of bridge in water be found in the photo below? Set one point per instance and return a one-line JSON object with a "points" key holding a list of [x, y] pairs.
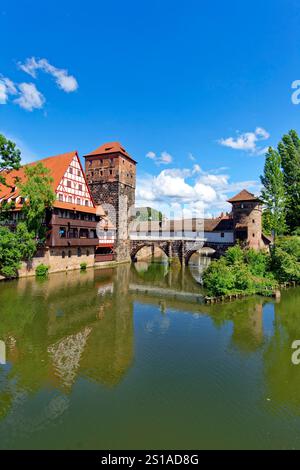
{"points": [[82, 325]]}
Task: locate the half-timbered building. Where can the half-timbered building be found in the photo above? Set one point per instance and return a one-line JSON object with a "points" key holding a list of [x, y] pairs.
{"points": [[72, 235]]}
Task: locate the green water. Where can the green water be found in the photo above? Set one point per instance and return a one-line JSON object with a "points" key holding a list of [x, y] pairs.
{"points": [[131, 358]]}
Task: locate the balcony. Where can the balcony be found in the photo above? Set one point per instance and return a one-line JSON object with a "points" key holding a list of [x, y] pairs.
{"points": [[57, 220]]}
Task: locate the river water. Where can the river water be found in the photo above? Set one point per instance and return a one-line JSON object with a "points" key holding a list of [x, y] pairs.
{"points": [[131, 358]]}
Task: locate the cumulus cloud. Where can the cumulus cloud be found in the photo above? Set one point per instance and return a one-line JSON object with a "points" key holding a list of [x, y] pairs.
{"points": [[64, 81], [7, 87], [247, 141], [184, 191], [27, 95], [163, 159], [30, 97]]}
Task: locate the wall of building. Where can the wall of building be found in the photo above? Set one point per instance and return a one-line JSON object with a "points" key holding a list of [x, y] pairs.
{"points": [[216, 237], [53, 258]]}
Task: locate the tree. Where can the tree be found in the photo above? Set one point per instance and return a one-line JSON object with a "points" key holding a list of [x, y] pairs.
{"points": [[289, 150], [38, 195], [10, 157], [15, 247], [273, 193]]}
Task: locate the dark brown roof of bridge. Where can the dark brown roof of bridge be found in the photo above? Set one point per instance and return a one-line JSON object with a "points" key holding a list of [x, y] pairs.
{"points": [[244, 195]]}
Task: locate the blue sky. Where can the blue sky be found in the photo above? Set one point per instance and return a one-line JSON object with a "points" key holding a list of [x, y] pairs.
{"points": [[194, 90]]}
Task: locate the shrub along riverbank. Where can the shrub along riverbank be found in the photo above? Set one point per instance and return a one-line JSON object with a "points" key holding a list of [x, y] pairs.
{"points": [[247, 272]]}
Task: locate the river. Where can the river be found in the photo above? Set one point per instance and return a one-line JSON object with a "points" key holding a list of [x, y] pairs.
{"points": [[132, 358]]}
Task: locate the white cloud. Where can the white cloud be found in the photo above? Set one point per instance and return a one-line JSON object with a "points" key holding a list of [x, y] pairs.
{"points": [[247, 141], [3, 93], [186, 191], [163, 159], [30, 98], [7, 87], [64, 81]]}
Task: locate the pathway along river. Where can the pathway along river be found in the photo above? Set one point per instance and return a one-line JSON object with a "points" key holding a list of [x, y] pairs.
{"points": [[131, 358]]}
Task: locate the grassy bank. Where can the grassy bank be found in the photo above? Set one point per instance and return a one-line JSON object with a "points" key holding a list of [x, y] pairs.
{"points": [[248, 272]]}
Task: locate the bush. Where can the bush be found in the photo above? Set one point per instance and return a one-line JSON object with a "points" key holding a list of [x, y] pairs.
{"points": [[258, 262], [83, 266], [218, 278], [240, 271], [41, 270], [234, 255]]}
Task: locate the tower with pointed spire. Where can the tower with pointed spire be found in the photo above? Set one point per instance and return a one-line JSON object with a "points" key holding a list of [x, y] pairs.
{"points": [[111, 174]]}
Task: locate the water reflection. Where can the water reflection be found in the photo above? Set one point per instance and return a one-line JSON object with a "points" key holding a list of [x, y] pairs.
{"points": [[85, 327]]}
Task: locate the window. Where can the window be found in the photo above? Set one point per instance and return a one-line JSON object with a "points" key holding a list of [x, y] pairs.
{"points": [[60, 197], [62, 232], [63, 254], [69, 254], [73, 233], [222, 235], [87, 253], [78, 201], [78, 251], [80, 187], [110, 172], [70, 199], [242, 206], [253, 235], [86, 202], [71, 171], [78, 173], [253, 221]]}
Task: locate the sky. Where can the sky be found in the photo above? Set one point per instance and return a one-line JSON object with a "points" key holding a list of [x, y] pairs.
{"points": [[195, 91]]}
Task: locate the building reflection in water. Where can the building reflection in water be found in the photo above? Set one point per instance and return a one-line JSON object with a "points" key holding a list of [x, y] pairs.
{"points": [[2, 353], [81, 325]]}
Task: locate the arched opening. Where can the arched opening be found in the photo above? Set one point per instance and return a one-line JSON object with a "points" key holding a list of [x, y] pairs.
{"points": [[150, 253], [198, 261]]}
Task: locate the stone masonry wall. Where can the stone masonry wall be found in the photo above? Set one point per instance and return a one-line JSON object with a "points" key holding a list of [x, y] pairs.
{"points": [[53, 258]]}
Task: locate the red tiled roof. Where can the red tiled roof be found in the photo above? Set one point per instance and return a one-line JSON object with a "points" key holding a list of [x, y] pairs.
{"points": [[57, 165], [244, 195], [108, 148]]}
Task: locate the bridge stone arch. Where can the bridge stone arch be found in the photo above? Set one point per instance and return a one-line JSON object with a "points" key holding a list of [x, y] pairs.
{"points": [[137, 245], [180, 249]]}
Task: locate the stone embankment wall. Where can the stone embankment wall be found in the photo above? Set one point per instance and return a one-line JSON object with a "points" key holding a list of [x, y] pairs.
{"points": [[53, 258]]}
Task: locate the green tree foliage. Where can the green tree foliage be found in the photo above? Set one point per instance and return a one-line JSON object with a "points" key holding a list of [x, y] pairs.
{"points": [[249, 272], [273, 194], [10, 157], [240, 271], [289, 150], [218, 278], [15, 247], [38, 194]]}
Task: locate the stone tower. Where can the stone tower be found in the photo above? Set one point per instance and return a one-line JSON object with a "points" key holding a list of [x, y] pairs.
{"points": [[247, 219], [111, 174]]}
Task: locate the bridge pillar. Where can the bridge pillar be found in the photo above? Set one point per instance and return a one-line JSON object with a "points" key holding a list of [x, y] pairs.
{"points": [[170, 251]]}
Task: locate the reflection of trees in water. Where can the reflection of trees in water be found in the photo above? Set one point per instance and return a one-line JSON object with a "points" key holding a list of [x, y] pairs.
{"points": [[283, 377], [82, 326]]}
